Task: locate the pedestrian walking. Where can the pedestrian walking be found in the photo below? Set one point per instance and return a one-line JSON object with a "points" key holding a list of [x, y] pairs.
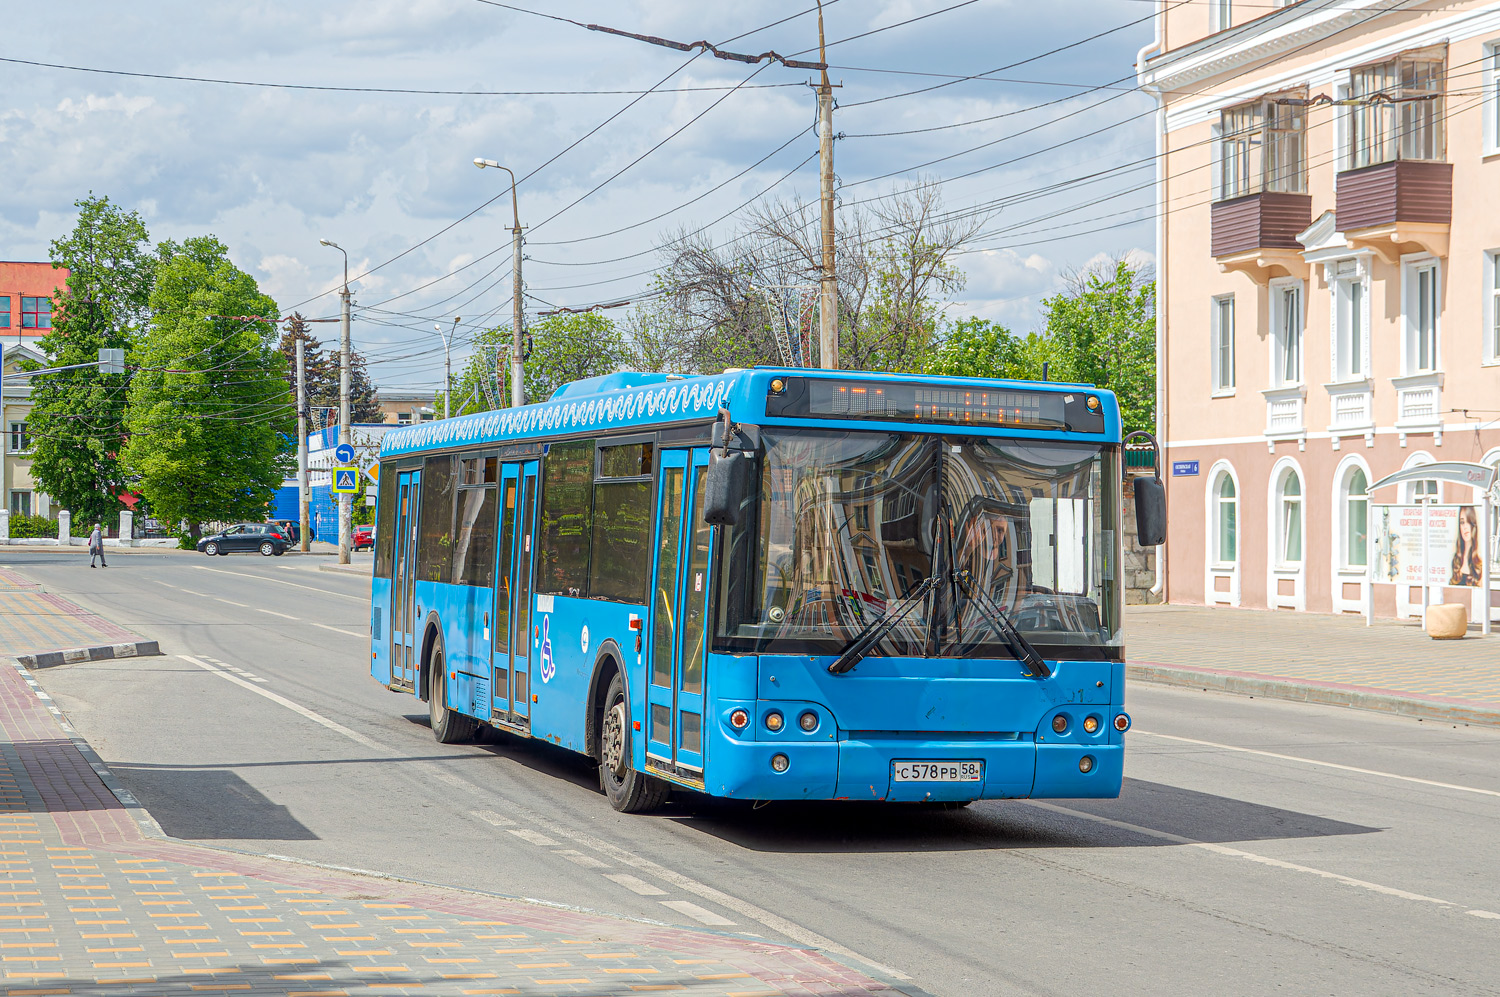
{"points": [[96, 547]]}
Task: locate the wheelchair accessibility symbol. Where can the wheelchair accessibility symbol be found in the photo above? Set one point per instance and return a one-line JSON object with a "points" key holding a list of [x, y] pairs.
{"points": [[549, 667]]}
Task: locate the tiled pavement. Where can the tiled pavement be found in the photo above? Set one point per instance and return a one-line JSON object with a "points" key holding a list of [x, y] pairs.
{"points": [[32, 620], [92, 904], [1391, 666]]}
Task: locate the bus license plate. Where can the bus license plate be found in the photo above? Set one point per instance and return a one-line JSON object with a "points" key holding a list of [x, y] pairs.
{"points": [[925, 771]]}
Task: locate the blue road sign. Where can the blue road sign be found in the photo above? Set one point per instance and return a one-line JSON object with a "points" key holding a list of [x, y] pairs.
{"points": [[345, 479], [343, 453], [1184, 468]]}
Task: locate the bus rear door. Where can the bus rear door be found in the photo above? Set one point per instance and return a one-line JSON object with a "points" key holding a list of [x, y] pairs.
{"points": [[679, 612], [513, 638], [403, 655]]}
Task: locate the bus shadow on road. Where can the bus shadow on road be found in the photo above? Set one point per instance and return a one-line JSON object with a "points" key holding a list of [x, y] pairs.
{"points": [[1002, 824], [210, 803]]}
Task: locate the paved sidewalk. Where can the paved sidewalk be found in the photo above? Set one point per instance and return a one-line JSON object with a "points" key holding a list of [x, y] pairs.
{"points": [[32, 620], [1392, 667], [93, 901]]}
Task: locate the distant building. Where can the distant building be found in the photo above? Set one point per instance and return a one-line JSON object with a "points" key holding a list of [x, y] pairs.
{"points": [[1328, 242], [26, 291], [323, 512], [17, 484], [403, 407]]}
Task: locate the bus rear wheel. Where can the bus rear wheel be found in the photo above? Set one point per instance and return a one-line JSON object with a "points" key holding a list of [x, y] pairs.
{"points": [[628, 791], [448, 727]]}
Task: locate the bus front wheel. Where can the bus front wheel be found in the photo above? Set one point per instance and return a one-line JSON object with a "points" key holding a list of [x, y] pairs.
{"points": [[448, 727], [628, 791]]}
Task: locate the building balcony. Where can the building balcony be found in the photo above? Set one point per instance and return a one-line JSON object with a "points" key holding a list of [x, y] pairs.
{"points": [[1419, 399], [1257, 234], [1286, 414], [1351, 410], [1396, 208]]}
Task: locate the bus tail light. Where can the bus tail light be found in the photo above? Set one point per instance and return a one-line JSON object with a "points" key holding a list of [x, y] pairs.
{"points": [[739, 719], [1059, 724], [1122, 722], [1090, 724], [774, 721], [808, 721]]}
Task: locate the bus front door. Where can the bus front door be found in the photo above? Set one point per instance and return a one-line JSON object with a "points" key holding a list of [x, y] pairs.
{"points": [[679, 645], [403, 655], [513, 640]]}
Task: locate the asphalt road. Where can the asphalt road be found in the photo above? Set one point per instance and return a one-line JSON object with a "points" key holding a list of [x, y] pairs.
{"points": [[1259, 846]]}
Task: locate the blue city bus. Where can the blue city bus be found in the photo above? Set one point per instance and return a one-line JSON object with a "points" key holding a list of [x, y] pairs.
{"points": [[771, 584]]}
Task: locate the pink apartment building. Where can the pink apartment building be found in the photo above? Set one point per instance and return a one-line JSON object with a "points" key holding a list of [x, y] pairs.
{"points": [[1328, 237]]}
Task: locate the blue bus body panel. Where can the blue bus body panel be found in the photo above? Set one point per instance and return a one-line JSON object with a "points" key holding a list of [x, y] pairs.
{"points": [[568, 635], [380, 630]]}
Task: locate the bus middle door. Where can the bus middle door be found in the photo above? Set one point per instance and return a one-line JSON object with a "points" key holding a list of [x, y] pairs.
{"points": [[403, 655], [679, 646], [513, 652]]}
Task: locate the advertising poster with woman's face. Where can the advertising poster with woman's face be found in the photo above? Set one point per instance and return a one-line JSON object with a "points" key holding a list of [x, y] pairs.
{"points": [[1467, 568]]}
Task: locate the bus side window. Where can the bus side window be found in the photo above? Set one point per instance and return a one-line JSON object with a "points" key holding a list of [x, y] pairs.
{"points": [[567, 519], [435, 546]]}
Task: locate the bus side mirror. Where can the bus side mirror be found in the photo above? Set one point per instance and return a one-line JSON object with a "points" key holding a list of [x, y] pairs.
{"points": [[726, 487], [1150, 511]]}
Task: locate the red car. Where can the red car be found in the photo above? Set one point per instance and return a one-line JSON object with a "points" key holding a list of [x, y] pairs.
{"points": [[363, 537]]}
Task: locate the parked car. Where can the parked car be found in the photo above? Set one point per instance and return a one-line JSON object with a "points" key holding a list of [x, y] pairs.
{"points": [[247, 537], [363, 537], [288, 528]]}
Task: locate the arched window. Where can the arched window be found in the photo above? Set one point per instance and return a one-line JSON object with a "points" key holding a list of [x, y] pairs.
{"points": [[1226, 507], [1424, 490], [1289, 519], [1356, 518]]}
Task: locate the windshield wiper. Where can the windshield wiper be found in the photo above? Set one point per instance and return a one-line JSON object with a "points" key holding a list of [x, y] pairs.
{"points": [[1001, 621], [874, 631]]}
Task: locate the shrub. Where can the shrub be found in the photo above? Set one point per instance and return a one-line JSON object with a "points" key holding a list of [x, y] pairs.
{"points": [[185, 541], [24, 527]]}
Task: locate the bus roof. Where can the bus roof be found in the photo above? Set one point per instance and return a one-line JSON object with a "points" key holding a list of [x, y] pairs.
{"points": [[644, 401]]}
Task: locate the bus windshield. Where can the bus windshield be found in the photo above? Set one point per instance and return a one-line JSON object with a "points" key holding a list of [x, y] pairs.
{"points": [[850, 523]]}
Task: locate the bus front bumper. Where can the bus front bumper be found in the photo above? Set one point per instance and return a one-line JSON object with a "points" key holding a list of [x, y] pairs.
{"points": [[867, 769]]}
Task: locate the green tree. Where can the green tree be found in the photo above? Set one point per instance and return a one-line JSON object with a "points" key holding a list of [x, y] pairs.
{"points": [[322, 369], [570, 347], [78, 416], [476, 386], [977, 347], [210, 418], [1104, 328]]}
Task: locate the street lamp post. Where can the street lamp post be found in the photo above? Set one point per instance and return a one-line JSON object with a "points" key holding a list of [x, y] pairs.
{"points": [[343, 397], [447, 362], [517, 395]]}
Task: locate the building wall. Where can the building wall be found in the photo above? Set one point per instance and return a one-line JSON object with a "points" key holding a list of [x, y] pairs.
{"points": [[17, 280], [1314, 45]]}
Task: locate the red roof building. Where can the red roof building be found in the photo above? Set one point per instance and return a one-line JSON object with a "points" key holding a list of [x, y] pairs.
{"points": [[26, 291]]}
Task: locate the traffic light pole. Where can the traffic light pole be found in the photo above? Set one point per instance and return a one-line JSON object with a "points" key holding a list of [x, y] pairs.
{"points": [[344, 500], [302, 489]]}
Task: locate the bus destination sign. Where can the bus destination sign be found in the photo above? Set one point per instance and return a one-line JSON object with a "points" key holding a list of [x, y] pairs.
{"points": [[889, 401]]}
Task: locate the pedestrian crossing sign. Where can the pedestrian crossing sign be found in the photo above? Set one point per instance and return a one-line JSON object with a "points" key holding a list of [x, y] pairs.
{"points": [[345, 480]]}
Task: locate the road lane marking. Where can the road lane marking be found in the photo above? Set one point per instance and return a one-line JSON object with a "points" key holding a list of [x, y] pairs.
{"points": [[534, 837], [242, 605], [346, 633], [694, 911], [297, 708], [1326, 765], [273, 612], [490, 817], [635, 884], [1240, 853], [1485, 913], [281, 581], [578, 858]]}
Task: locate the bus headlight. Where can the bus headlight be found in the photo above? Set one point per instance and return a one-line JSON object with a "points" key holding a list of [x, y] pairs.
{"points": [[739, 719], [808, 721], [774, 721]]}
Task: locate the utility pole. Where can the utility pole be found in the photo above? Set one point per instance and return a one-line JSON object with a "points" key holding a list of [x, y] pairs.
{"points": [[302, 490], [828, 309], [447, 364], [517, 309], [343, 397]]}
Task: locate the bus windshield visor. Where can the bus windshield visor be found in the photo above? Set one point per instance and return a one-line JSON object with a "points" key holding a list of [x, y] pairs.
{"points": [[850, 524]]}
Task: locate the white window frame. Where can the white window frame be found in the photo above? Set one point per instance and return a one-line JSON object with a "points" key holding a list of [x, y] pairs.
{"points": [[1221, 346], [1423, 490], [1344, 277], [1412, 270], [1492, 99], [1346, 499], [16, 432], [1287, 508], [14, 502], [1216, 550], [1220, 15], [1284, 337], [1490, 336]]}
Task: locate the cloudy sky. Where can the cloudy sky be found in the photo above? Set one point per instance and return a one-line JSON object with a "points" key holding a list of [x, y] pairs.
{"points": [[331, 153]]}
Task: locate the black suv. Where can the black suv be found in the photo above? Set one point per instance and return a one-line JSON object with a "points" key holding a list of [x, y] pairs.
{"points": [[247, 537]]}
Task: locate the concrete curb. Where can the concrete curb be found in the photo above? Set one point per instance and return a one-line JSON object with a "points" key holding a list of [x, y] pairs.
{"points": [[1321, 693], [351, 569], [51, 659]]}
